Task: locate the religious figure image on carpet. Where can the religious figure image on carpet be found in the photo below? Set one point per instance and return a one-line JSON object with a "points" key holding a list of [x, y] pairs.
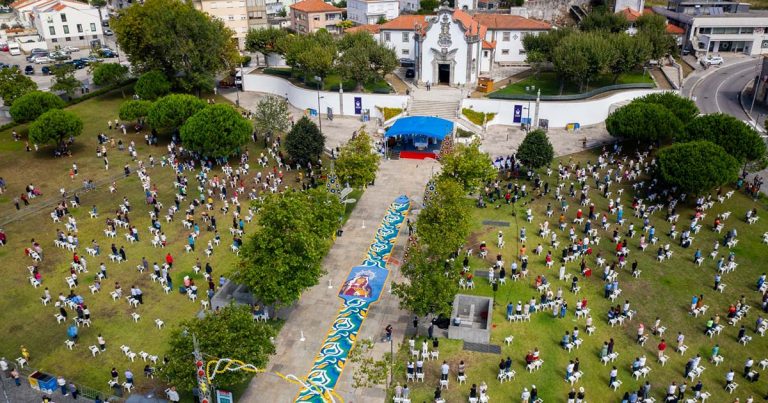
{"points": [[359, 285]]}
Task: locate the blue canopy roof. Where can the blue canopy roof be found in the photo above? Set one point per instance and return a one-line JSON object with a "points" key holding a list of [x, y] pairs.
{"points": [[421, 126]]}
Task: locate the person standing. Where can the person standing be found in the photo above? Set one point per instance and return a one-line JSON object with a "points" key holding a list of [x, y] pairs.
{"points": [[62, 385], [416, 324]]}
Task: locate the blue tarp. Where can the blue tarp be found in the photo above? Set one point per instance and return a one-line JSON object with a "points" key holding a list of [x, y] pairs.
{"points": [[436, 128]]}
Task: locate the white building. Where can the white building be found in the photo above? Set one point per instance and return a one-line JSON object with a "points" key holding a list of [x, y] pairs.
{"points": [[363, 12], [62, 22], [455, 48]]}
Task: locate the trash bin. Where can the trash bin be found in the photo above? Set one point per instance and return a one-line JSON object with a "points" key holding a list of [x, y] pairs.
{"points": [[42, 382]]}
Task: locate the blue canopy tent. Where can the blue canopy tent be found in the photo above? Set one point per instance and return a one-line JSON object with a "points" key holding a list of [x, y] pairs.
{"points": [[423, 131]]}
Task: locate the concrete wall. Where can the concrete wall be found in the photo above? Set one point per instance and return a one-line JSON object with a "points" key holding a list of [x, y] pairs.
{"points": [[559, 113], [302, 98]]}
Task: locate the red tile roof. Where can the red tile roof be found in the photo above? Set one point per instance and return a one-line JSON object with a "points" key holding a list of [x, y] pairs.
{"points": [[674, 30], [512, 22], [630, 14], [370, 28], [315, 6], [489, 45], [405, 23], [473, 27]]}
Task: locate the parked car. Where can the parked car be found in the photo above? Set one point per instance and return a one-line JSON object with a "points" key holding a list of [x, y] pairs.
{"points": [[712, 60], [92, 59], [410, 73], [42, 59], [108, 32], [70, 49], [106, 53], [29, 70], [3, 47], [34, 53], [60, 55], [45, 70], [78, 63]]}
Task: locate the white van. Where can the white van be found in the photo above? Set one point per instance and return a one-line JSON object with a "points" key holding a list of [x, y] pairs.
{"points": [[14, 49]]}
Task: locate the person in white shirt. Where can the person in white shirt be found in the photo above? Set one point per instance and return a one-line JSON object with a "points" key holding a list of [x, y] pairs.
{"points": [[444, 371], [729, 377], [173, 396]]}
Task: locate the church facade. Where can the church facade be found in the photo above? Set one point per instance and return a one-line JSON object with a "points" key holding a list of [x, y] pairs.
{"points": [[454, 47]]}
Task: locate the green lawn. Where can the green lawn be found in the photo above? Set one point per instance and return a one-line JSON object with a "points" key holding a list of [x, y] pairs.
{"points": [[663, 290], [31, 324], [549, 84]]}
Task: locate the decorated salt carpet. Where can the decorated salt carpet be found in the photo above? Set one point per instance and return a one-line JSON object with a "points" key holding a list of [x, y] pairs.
{"points": [[362, 288]]}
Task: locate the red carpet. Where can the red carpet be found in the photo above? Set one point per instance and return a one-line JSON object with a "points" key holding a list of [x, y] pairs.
{"points": [[417, 155]]}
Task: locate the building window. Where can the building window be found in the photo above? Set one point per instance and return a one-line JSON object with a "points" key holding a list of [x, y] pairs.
{"points": [[316, 18], [231, 17], [485, 53], [52, 30], [93, 27], [66, 29], [63, 18], [405, 37], [54, 40], [82, 38], [505, 52], [95, 37], [406, 52], [521, 52], [387, 37], [79, 27], [68, 39], [505, 36]]}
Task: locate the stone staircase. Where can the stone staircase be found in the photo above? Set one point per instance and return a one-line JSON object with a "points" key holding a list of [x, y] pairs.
{"points": [[443, 109]]}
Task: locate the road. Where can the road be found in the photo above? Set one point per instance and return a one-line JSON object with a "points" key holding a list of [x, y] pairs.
{"points": [[717, 88]]}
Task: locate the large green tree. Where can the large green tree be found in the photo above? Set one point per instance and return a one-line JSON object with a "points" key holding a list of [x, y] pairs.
{"points": [[468, 165], [536, 151], [33, 104], [630, 52], [684, 108], [216, 131], [283, 257], [187, 45], [444, 223], [173, 110], [105, 74], [643, 122], [430, 288], [265, 41], [312, 54], [152, 85], [304, 143], [357, 162], [602, 19], [697, 166], [54, 126], [736, 137], [363, 59], [13, 84], [64, 79], [229, 333], [272, 115], [540, 48], [652, 28], [134, 110]]}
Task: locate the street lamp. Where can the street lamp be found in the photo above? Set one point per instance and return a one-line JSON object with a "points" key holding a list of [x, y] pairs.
{"points": [[318, 80]]}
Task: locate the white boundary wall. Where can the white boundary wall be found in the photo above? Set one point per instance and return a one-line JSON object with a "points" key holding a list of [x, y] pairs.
{"points": [[559, 113], [341, 103]]}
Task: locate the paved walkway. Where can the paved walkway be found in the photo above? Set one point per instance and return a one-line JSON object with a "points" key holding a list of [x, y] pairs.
{"points": [[318, 306], [502, 140]]}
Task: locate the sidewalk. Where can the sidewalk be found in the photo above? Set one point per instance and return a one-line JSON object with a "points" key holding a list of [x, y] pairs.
{"points": [[502, 140], [312, 315]]}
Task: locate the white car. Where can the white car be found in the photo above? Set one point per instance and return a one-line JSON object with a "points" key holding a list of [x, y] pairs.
{"points": [[712, 61], [42, 59], [70, 49]]}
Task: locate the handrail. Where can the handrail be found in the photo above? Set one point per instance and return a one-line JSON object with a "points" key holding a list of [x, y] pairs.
{"points": [[572, 97]]}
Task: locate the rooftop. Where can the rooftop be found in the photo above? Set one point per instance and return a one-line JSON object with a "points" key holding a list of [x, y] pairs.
{"points": [[507, 21], [315, 6]]}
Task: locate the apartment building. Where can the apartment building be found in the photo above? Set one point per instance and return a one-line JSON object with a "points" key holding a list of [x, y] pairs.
{"points": [[312, 15]]}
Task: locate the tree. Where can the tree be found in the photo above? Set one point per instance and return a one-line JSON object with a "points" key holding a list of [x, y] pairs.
{"points": [[357, 163], [64, 79], [173, 110], [152, 85], [536, 151], [187, 45], [444, 223], [736, 137], [216, 131], [54, 126], [604, 20], [313, 54], [265, 41], [134, 110], [363, 59], [468, 165], [428, 290], [368, 372], [539, 48], [630, 53], [272, 115], [229, 333], [283, 257], [13, 84], [29, 106], [643, 122], [684, 108], [110, 74], [652, 28], [304, 143], [428, 7], [697, 166]]}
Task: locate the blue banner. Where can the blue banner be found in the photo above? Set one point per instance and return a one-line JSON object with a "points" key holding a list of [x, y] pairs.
{"points": [[517, 118], [358, 105]]}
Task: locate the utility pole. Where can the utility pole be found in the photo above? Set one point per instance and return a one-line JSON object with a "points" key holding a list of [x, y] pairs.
{"points": [[202, 380], [536, 111]]}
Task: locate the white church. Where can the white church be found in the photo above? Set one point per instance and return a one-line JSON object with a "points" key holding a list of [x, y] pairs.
{"points": [[454, 47]]}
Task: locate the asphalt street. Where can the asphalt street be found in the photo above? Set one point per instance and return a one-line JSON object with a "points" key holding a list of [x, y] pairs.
{"points": [[717, 89]]}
